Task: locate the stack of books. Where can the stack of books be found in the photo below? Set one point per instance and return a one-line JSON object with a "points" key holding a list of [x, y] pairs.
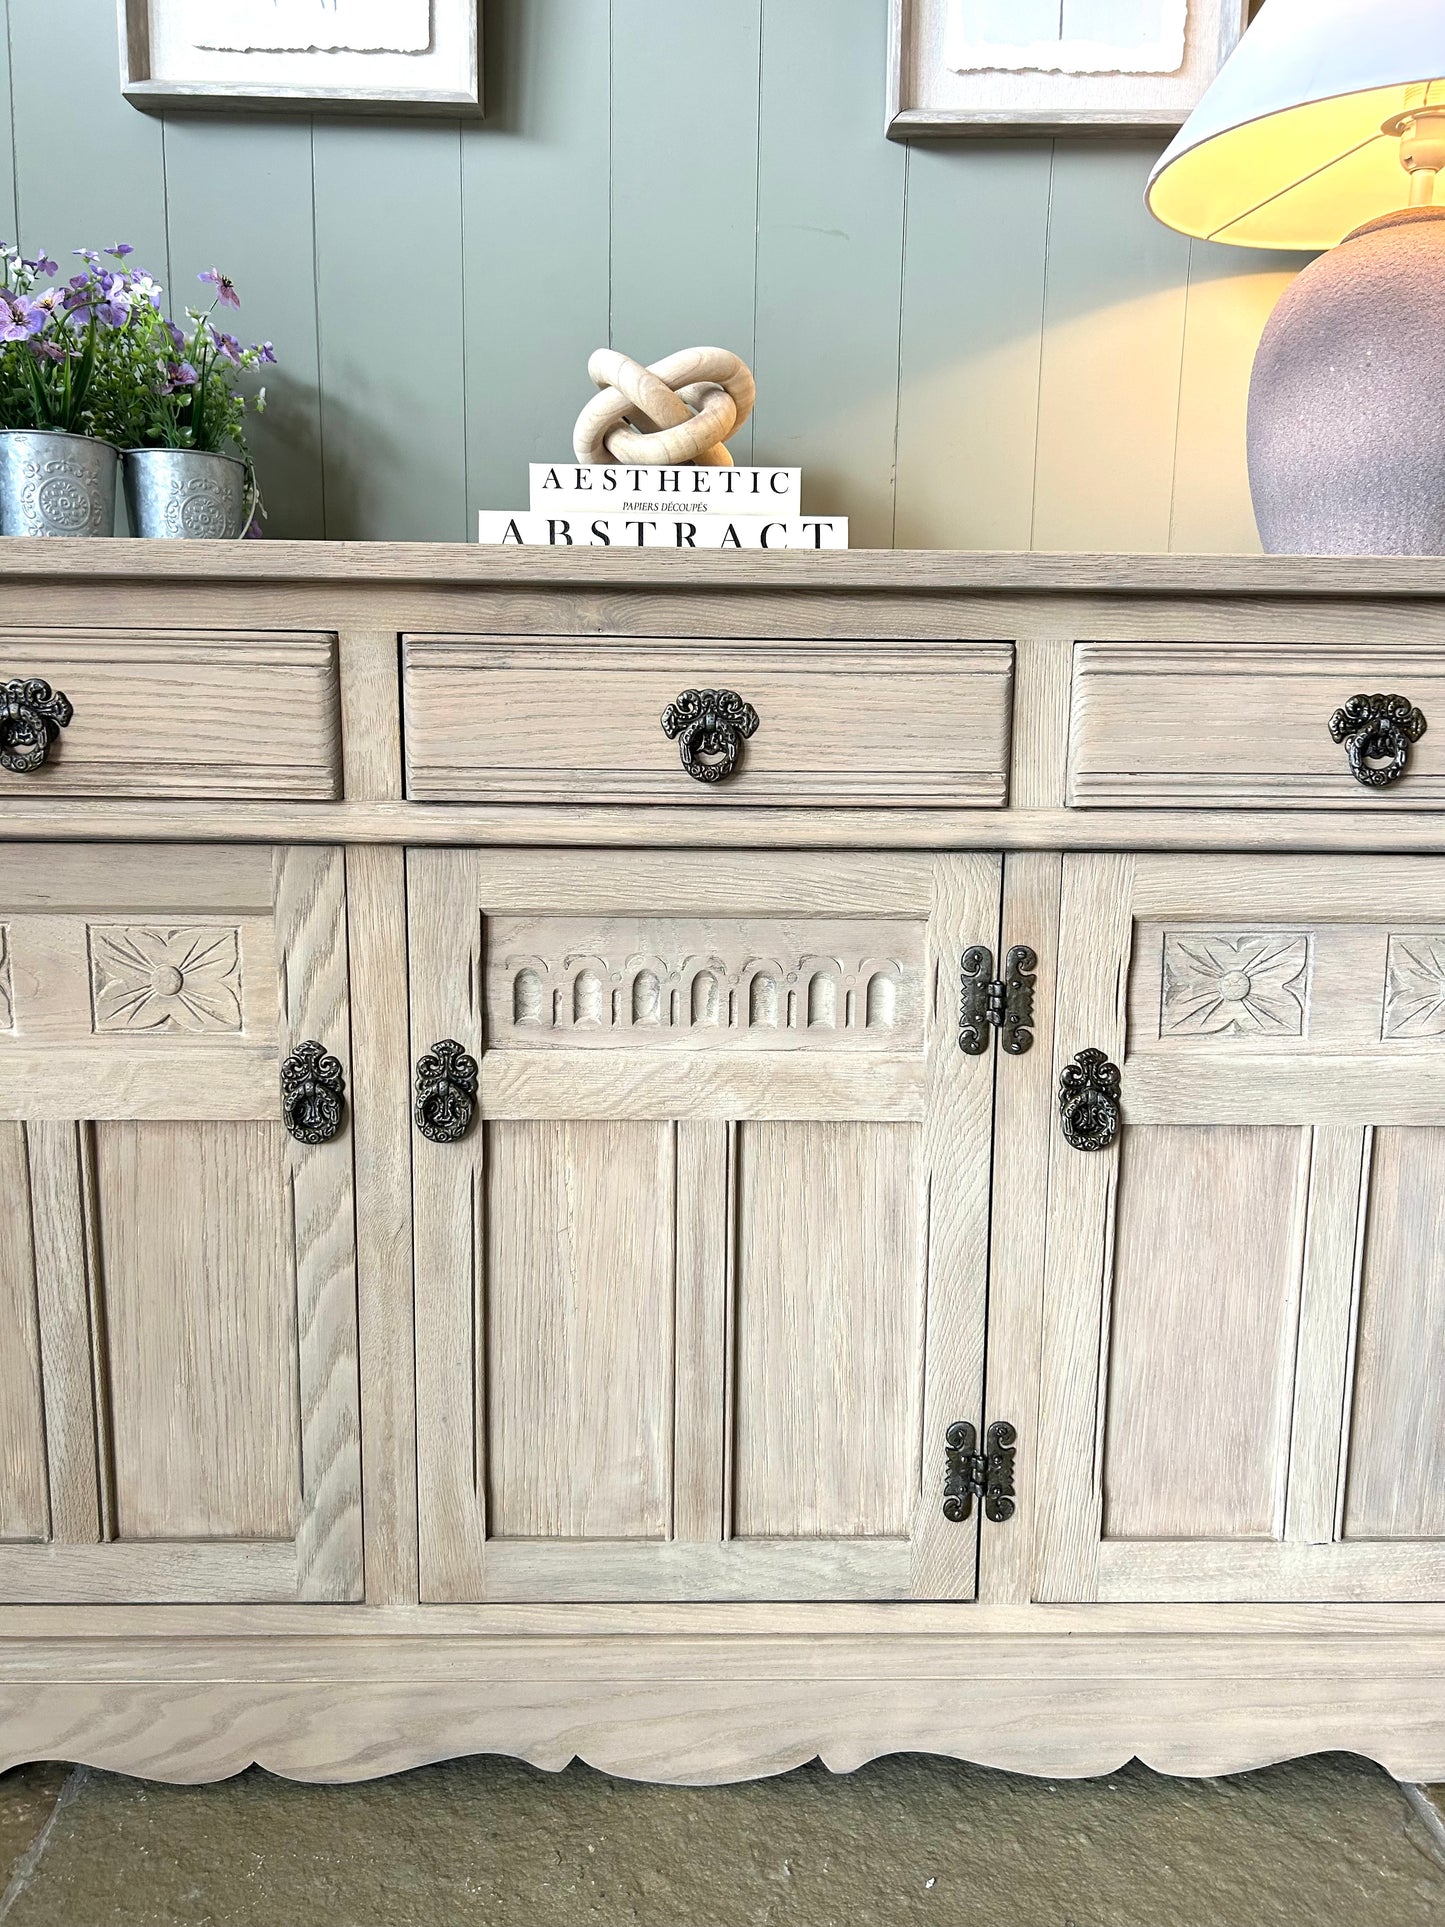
{"points": [[614, 506]]}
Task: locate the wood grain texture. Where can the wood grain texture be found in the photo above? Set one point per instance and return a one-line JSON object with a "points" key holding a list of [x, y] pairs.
{"points": [[1202, 1314], [201, 1331], [718, 1711], [575, 1378], [24, 1475], [184, 715], [370, 714], [702, 1330], [1328, 1290], [488, 722], [1160, 727], [63, 1257], [830, 1318], [381, 1139], [311, 940], [1396, 1481]]}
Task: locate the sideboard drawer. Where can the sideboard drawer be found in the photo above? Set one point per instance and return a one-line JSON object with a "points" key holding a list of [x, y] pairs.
{"points": [[1249, 726], [172, 714], [518, 720]]}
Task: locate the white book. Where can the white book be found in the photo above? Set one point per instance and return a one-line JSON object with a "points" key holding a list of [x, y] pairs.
{"points": [[519, 528], [615, 488]]}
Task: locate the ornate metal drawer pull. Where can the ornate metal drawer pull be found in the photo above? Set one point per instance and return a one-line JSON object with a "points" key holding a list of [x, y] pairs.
{"points": [[709, 725], [1089, 1101], [313, 1094], [1377, 732], [32, 715], [969, 1474], [446, 1092]]}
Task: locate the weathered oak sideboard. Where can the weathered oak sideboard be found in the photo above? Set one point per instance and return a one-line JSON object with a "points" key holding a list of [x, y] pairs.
{"points": [[701, 1161]]}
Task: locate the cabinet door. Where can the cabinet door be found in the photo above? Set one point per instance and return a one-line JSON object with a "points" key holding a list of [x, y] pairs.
{"points": [[702, 1289], [1245, 1299], [178, 1381]]}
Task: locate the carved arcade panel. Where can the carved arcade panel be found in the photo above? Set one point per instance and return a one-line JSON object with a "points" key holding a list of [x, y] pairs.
{"points": [[704, 983]]}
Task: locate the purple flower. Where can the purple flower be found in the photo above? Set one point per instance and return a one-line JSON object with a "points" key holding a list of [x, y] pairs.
{"points": [[42, 264], [120, 250], [223, 284], [228, 346], [265, 352], [112, 314], [21, 319], [87, 254], [49, 350], [179, 374], [178, 340]]}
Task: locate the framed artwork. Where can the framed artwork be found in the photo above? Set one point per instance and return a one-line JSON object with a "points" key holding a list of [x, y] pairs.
{"points": [[354, 56], [1054, 66]]}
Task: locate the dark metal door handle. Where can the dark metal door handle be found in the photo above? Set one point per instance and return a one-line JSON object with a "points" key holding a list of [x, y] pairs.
{"points": [[1377, 732], [709, 726], [1089, 1101], [446, 1092], [313, 1094], [32, 715]]}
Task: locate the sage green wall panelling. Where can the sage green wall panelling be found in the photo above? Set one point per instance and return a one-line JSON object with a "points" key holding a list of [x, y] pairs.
{"points": [[273, 263], [535, 239], [8, 215], [964, 344], [89, 170], [830, 260], [973, 304], [685, 177], [1113, 345], [389, 298]]}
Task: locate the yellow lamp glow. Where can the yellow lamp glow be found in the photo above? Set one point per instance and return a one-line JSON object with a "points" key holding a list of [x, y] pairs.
{"points": [[1326, 130], [1298, 142]]}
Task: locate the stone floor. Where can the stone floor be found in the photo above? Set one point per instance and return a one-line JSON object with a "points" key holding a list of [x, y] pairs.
{"points": [[905, 1840]]}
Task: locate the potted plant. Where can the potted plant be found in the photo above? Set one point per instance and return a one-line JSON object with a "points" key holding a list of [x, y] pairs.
{"points": [[188, 471], [59, 350]]}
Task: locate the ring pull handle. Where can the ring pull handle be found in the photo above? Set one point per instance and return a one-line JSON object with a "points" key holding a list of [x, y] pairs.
{"points": [[709, 726], [1377, 732], [32, 715], [446, 1092], [313, 1094], [1089, 1101]]}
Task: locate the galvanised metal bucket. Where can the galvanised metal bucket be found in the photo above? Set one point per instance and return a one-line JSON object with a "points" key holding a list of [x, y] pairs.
{"points": [[185, 494], [56, 484]]}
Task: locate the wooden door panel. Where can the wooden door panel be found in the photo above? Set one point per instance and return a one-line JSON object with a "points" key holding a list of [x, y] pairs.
{"points": [[24, 1502], [830, 1312], [1396, 1483], [1244, 1299], [1199, 1211], [188, 1229], [579, 1339], [729, 1291], [192, 1267]]}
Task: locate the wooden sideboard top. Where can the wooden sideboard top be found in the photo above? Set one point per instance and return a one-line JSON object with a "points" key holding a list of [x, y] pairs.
{"points": [[911, 571]]}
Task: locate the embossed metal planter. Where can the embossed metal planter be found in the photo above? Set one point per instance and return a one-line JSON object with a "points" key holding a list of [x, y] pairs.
{"points": [[55, 484], [185, 494]]}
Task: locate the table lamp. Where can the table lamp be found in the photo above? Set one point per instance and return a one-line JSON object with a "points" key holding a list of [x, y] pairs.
{"points": [[1326, 130]]}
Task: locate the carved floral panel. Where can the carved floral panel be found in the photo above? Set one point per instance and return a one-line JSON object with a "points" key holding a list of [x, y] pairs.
{"points": [[769, 983], [146, 977], [1415, 986], [1235, 984], [7, 996]]}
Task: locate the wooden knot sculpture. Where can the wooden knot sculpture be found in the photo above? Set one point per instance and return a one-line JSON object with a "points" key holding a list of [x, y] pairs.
{"points": [[681, 409]]}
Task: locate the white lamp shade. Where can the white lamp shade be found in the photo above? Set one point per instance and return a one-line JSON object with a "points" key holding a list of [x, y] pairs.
{"points": [[1287, 149]]}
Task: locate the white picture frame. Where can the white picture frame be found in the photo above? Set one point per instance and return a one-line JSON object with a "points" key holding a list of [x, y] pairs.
{"points": [[346, 56], [989, 67]]}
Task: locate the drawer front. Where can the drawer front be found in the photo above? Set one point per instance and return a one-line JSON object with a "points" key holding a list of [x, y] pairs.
{"points": [[504, 720], [183, 715], [1214, 726]]}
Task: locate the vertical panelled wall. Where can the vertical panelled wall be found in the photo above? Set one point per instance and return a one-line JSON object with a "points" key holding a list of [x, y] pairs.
{"points": [[967, 345]]}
